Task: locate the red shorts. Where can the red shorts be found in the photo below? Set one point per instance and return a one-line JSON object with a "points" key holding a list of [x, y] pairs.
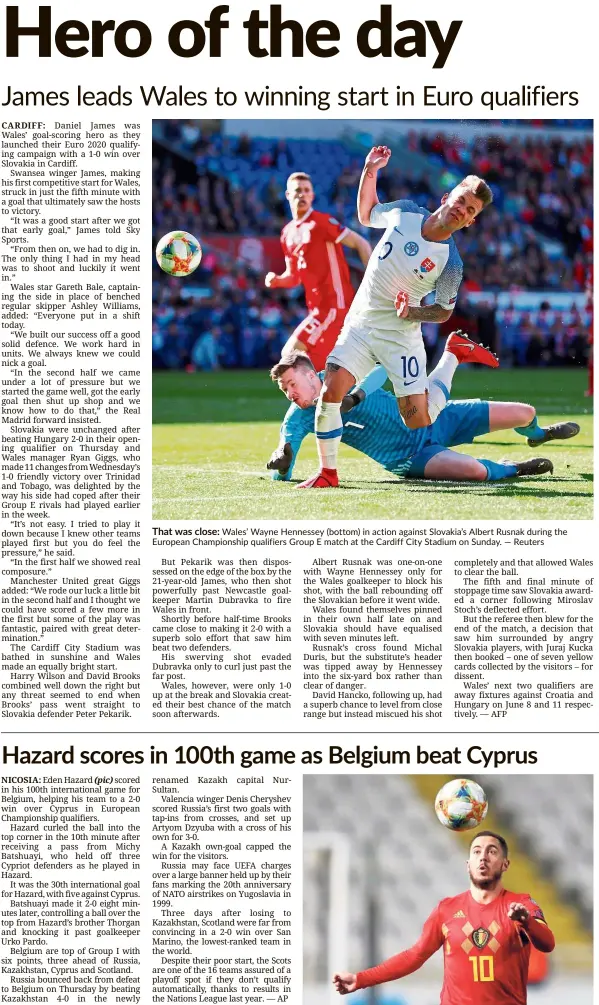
{"points": [[319, 333]]}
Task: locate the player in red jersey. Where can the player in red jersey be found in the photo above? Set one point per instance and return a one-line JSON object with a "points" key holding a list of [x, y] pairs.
{"points": [[486, 933], [311, 243]]}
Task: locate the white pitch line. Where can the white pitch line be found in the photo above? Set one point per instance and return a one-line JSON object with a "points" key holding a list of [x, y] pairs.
{"points": [[219, 471]]}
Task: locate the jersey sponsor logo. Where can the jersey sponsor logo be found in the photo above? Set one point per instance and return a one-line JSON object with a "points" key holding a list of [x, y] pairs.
{"points": [[480, 937], [459, 914], [427, 265], [411, 248]]}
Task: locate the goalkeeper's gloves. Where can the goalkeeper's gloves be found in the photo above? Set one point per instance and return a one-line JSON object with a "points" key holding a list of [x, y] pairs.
{"points": [[351, 400], [280, 459]]}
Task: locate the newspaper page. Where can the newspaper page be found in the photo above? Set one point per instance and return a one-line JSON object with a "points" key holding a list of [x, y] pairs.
{"points": [[297, 488]]}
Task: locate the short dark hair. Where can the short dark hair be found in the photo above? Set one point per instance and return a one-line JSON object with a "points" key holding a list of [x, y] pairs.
{"points": [[478, 187], [295, 360], [501, 840]]}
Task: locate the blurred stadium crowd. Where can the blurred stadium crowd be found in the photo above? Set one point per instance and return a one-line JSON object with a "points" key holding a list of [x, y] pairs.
{"points": [[536, 237]]}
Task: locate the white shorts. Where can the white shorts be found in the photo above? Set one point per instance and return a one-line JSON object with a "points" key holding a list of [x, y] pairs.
{"points": [[403, 356]]}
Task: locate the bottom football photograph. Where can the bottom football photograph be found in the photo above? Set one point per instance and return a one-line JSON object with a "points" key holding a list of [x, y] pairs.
{"points": [[421, 889]]}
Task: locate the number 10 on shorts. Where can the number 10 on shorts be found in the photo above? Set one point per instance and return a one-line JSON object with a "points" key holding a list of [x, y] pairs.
{"points": [[409, 367]]}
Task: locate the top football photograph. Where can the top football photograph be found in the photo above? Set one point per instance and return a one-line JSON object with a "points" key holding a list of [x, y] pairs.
{"points": [[361, 319]]}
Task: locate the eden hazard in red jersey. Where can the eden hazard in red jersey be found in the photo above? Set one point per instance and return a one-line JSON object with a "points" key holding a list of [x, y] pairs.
{"points": [[486, 936], [485, 952], [312, 243]]}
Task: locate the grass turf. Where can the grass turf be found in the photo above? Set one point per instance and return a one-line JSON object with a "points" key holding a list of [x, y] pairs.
{"points": [[214, 432]]}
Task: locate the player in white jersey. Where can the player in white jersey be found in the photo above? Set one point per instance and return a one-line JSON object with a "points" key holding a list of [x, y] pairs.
{"points": [[415, 256]]}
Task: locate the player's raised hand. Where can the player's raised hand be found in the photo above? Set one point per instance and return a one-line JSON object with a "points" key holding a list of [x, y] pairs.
{"points": [[378, 158], [270, 280], [518, 912], [345, 983], [401, 304]]}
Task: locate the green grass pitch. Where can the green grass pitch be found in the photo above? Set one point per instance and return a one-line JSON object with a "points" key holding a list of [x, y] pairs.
{"points": [[213, 434]]}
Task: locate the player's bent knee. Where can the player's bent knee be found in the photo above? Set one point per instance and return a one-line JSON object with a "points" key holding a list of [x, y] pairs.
{"points": [[478, 473], [513, 413], [528, 414], [470, 469]]}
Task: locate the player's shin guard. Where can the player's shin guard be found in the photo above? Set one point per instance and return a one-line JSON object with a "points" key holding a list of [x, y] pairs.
{"points": [[328, 432], [439, 384], [496, 470]]}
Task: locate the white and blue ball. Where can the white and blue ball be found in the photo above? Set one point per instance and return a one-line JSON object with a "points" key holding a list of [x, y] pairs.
{"points": [[461, 804]]}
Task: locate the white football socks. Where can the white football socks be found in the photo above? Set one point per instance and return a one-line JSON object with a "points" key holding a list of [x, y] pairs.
{"points": [[329, 428], [439, 384]]}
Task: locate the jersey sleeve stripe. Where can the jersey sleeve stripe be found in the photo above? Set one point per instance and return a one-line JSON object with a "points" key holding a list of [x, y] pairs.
{"points": [[343, 234]]}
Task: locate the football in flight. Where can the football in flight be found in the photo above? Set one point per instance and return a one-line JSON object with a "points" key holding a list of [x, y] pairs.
{"points": [[178, 253], [461, 804]]}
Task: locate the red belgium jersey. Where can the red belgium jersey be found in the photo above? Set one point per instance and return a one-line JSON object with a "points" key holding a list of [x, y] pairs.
{"points": [[485, 953], [314, 254]]}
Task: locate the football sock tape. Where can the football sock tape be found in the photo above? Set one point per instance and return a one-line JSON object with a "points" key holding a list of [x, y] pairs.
{"points": [[328, 432]]}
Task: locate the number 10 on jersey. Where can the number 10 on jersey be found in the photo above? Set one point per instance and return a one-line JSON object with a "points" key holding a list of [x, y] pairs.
{"points": [[482, 968]]}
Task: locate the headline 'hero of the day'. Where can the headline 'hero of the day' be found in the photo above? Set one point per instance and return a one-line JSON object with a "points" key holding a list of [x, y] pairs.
{"points": [[273, 35]]}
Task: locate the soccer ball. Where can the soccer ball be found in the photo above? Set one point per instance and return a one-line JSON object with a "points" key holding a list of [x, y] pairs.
{"points": [[178, 253], [461, 804]]}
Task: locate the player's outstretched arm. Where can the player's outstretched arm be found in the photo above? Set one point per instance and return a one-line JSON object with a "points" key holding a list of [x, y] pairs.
{"points": [[367, 198], [286, 280], [401, 965], [372, 381], [296, 425], [345, 983], [359, 244], [281, 462]]}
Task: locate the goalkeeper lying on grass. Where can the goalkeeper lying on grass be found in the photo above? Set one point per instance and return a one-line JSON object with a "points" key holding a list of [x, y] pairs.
{"points": [[372, 424]]}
